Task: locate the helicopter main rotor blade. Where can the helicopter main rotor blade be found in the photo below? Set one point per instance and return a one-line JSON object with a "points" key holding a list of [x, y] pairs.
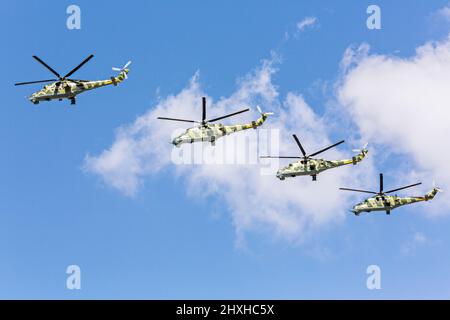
{"points": [[79, 66], [78, 80], [30, 82], [281, 157], [325, 149], [203, 109], [411, 185], [47, 66], [228, 115], [299, 145], [381, 183], [174, 119], [357, 190], [126, 65]]}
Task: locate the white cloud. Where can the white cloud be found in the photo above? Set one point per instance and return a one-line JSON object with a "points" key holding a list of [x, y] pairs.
{"points": [[403, 104], [416, 241], [400, 103], [287, 209], [143, 147], [305, 23], [444, 12]]}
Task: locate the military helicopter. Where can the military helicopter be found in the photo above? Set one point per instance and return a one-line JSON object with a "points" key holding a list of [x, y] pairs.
{"points": [[383, 202], [308, 166], [67, 88], [210, 132]]}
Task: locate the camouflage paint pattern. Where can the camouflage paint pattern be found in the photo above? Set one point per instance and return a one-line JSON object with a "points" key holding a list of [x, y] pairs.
{"points": [[68, 89], [312, 167], [388, 203], [212, 131]]}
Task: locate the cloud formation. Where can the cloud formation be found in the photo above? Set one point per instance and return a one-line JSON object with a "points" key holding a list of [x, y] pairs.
{"points": [[399, 104], [288, 209], [305, 23], [403, 104], [444, 12], [415, 242]]}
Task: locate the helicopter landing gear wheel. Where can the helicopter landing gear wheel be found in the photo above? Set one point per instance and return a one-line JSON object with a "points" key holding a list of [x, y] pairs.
{"points": [[72, 101], [314, 177]]}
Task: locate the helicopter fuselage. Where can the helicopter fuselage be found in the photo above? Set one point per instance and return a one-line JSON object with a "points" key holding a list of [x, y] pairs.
{"points": [[312, 167], [210, 132], [388, 203], [68, 89]]}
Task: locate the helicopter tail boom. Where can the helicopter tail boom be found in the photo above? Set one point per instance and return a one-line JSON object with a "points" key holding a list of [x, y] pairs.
{"points": [[89, 85], [427, 197], [252, 125], [354, 160]]}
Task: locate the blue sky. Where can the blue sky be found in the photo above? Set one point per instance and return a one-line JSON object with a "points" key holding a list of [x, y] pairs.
{"points": [[162, 242]]}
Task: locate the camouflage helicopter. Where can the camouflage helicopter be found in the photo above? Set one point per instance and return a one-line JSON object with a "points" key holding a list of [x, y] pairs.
{"points": [[383, 202], [308, 166], [67, 88], [210, 132]]}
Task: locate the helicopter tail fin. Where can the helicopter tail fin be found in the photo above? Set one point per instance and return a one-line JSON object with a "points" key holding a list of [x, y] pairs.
{"points": [[430, 195], [361, 154], [260, 121]]}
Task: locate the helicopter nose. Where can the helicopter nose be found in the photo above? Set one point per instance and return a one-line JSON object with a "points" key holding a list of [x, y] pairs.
{"points": [[177, 141]]}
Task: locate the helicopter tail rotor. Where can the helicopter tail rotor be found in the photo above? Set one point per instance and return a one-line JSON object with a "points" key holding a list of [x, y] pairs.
{"points": [[436, 187], [124, 70], [363, 149], [264, 114]]}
